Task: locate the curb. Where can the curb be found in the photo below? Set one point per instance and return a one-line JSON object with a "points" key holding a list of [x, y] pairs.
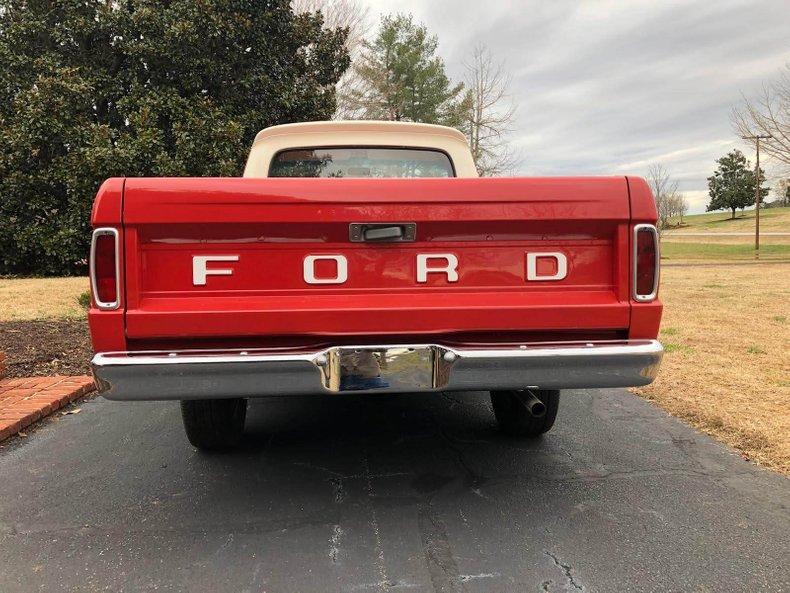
{"points": [[26, 400]]}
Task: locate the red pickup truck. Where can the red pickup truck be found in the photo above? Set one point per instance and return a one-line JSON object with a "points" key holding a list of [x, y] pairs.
{"points": [[367, 257]]}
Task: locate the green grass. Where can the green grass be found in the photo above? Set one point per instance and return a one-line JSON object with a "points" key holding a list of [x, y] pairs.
{"points": [[84, 300], [678, 250], [671, 347], [771, 219]]}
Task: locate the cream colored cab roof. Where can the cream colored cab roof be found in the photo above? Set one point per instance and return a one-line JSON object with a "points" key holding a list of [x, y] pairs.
{"points": [[272, 140]]}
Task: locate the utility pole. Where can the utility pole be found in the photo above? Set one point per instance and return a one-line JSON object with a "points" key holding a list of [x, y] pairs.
{"points": [[757, 138]]}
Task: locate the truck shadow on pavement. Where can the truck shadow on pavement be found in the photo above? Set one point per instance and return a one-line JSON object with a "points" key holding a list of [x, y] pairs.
{"points": [[425, 437]]}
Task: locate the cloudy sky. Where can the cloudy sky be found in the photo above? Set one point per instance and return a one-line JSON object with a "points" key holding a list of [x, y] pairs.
{"points": [[610, 87]]}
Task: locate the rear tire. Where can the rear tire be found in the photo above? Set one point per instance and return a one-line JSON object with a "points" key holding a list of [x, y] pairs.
{"points": [[515, 419], [214, 424]]}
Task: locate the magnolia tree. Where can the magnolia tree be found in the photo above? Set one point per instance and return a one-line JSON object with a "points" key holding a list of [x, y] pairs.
{"points": [[94, 89], [733, 185]]}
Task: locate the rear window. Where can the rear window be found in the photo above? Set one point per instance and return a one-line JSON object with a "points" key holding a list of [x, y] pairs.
{"points": [[351, 161]]}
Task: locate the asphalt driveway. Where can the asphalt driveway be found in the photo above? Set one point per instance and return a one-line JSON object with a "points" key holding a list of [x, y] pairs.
{"points": [[416, 493]]}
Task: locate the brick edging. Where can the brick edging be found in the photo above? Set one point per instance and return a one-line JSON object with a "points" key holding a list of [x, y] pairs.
{"points": [[3, 365], [24, 401]]}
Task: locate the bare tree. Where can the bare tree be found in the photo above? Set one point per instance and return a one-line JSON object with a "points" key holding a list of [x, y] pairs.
{"points": [[665, 191], [355, 17], [782, 192], [768, 114], [677, 206], [491, 112], [683, 207]]}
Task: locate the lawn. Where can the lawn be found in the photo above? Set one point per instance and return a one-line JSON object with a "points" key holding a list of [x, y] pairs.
{"points": [[726, 238], [23, 299], [771, 220], [726, 331], [672, 250]]}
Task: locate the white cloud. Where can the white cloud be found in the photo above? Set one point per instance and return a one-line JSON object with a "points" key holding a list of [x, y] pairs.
{"points": [[697, 200], [608, 87]]}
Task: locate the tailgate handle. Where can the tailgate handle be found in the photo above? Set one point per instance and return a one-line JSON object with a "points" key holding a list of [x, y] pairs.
{"points": [[382, 232]]}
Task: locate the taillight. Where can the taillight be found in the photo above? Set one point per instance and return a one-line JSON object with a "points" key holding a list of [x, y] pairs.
{"points": [[646, 261], [104, 268]]}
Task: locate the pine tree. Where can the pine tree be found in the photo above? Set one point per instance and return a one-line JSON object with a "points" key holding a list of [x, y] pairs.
{"points": [[402, 78]]}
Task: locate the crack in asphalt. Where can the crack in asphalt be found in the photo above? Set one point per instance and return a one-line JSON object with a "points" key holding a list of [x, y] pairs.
{"points": [[482, 575], [334, 541], [338, 490], [439, 558], [474, 480], [381, 565], [566, 569]]}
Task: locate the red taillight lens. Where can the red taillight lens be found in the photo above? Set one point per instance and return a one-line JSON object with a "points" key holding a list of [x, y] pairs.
{"points": [[645, 262], [104, 269]]}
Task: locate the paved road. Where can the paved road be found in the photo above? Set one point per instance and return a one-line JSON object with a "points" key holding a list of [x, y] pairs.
{"points": [[405, 494]]}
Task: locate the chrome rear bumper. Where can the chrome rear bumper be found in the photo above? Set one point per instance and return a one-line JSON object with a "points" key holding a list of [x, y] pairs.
{"points": [[394, 368]]}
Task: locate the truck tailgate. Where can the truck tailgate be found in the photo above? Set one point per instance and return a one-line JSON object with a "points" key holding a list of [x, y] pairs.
{"points": [[267, 227]]}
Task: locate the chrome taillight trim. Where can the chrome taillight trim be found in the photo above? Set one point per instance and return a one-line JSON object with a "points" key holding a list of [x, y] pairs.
{"points": [[92, 269], [654, 292]]}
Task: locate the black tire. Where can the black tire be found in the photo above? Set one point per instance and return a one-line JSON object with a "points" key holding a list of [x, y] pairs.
{"points": [[515, 419], [214, 424]]}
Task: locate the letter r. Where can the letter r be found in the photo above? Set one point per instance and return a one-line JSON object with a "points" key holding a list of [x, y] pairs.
{"points": [[450, 268]]}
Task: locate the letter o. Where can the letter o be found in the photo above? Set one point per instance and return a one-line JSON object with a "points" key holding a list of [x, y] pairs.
{"points": [[309, 269]]}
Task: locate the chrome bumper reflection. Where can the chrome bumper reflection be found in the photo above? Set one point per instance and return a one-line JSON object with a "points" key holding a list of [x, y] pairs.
{"points": [[374, 369]]}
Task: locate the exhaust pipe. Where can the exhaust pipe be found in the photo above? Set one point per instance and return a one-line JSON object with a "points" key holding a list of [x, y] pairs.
{"points": [[534, 406]]}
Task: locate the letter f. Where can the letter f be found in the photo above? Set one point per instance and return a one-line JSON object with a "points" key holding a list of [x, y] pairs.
{"points": [[199, 270]]}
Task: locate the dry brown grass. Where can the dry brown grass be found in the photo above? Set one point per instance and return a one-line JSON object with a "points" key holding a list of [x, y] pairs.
{"points": [[23, 299], [726, 330]]}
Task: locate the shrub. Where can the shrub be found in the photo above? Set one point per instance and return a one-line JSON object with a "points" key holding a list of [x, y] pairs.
{"points": [[94, 89]]}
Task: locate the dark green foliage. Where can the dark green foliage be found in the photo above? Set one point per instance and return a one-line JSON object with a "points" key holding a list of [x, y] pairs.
{"points": [[402, 78], [84, 300], [732, 185], [95, 89]]}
